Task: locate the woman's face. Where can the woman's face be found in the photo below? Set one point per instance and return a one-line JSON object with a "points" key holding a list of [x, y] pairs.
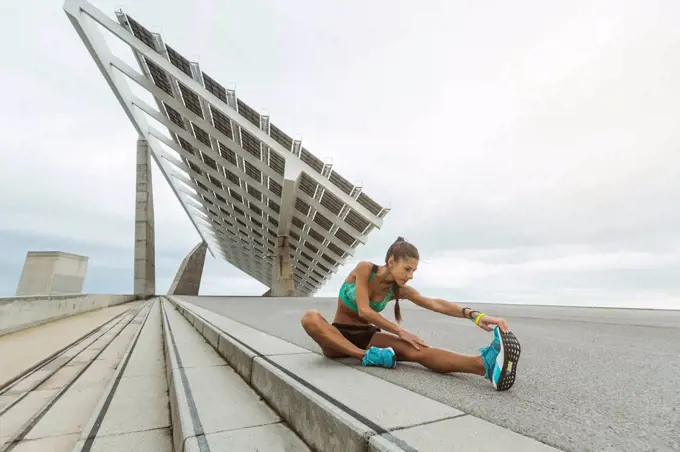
{"points": [[402, 270]]}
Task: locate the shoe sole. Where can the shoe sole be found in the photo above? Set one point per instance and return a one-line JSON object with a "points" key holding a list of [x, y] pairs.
{"points": [[510, 351]]}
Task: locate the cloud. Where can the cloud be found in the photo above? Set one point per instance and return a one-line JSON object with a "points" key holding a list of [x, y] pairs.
{"points": [[450, 271]]}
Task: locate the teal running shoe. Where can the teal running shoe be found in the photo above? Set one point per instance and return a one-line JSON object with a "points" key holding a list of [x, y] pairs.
{"points": [[380, 357], [500, 359]]}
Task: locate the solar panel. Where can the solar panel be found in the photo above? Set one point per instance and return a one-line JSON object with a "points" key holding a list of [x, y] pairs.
{"points": [[229, 162]]}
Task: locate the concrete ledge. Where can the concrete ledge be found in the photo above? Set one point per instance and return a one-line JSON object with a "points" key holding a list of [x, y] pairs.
{"points": [[238, 352], [180, 429], [321, 423], [18, 313], [211, 407], [334, 407]]}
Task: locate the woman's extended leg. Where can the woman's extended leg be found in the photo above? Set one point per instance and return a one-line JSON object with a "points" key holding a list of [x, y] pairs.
{"points": [[436, 359], [332, 342]]}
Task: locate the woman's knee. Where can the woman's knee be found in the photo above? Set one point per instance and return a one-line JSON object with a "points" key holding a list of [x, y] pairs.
{"points": [[311, 320], [409, 353]]}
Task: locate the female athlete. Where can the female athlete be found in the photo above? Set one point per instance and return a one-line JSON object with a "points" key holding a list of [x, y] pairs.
{"points": [[356, 329]]}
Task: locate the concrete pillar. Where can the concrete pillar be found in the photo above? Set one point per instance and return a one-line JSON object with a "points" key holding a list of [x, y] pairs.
{"points": [[283, 270], [145, 258], [188, 278]]}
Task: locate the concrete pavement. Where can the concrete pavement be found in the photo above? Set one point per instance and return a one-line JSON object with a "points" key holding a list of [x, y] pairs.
{"points": [[38, 342], [146, 380], [46, 409], [590, 379], [334, 407], [132, 413]]}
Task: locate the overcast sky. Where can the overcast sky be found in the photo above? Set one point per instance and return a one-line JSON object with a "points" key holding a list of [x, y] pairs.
{"points": [[530, 149]]}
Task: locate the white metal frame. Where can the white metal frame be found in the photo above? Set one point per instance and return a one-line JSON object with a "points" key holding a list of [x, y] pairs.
{"points": [[241, 227]]}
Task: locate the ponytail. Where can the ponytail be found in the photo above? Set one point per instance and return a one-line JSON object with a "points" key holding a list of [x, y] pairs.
{"points": [[397, 309]]}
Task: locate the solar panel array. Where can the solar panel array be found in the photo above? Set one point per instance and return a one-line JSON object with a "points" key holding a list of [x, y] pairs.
{"points": [[236, 180]]}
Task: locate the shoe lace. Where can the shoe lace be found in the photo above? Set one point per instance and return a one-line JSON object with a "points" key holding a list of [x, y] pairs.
{"points": [[373, 355], [488, 355]]}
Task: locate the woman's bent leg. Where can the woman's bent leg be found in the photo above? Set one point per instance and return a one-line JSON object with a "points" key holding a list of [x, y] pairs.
{"points": [[436, 359], [332, 342]]}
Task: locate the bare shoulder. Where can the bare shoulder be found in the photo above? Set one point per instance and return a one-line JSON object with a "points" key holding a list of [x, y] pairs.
{"points": [[361, 271]]}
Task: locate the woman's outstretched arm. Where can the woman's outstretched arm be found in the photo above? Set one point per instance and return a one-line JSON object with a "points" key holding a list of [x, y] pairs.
{"points": [[452, 309]]}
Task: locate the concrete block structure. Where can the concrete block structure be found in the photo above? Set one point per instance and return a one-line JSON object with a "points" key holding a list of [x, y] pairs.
{"points": [[52, 273], [188, 278]]}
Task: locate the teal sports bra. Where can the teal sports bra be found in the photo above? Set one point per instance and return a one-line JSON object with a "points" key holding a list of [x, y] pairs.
{"points": [[348, 294]]}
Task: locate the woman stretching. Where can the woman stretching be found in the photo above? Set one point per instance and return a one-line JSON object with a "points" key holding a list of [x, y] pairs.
{"points": [[356, 329]]}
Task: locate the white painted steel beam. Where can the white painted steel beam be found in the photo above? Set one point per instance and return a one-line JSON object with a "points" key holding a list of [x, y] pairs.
{"points": [[101, 54]]}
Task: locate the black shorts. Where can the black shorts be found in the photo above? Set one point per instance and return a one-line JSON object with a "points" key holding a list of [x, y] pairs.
{"points": [[359, 335]]}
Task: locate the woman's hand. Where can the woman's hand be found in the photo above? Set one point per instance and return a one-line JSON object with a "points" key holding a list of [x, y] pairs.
{"points": [[412, 339], [487, 323]]}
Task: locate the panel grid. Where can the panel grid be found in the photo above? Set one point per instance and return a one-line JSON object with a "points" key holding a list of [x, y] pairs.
{"points": [[186, 145], [179, 61], [227, 153], [251, 144], [253, 172], [191, 100], [340, 182], [275, 187], [357, 221], [369, 204], [174, 116], [280, 137], [322, 221], [302, 206], [248, 113], [276, 162], [331, 202], [308, 185], [201, 135], [214, 87], [221, 122], [316, 236], [159, 77], [311, 235], [311, 160], [345, 237], [141, 33]]}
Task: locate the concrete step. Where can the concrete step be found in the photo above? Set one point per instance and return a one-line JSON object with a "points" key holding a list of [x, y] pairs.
{"points": [[334, 407], [48, 406], [212, 407], [133, 413]]}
